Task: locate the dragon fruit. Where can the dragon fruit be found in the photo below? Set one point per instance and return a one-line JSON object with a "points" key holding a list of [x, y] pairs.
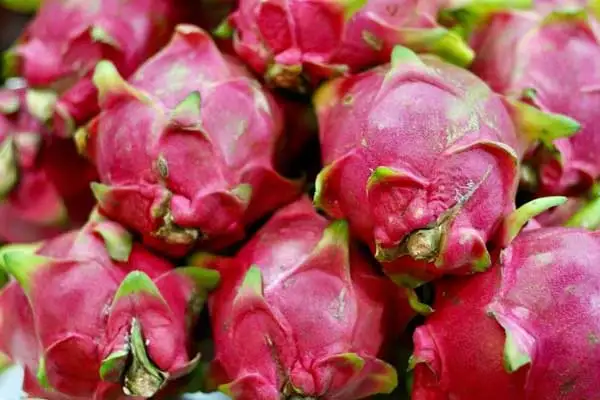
{"points": [[523, 55], [60, 48], [529, 327], [422, 158], [44, 183], [295, 44], [196, 164], [130, 314], [300, 314]]}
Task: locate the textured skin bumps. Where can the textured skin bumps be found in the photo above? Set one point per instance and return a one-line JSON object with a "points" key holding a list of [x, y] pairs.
{"points": [[64, 42], [523, 55], [301, 314], [529, 327], [421, 159], [44, 183], [295, 44], [187, 150], [130, 314]]}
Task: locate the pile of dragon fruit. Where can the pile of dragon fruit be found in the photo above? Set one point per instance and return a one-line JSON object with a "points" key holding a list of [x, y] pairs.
{"points": [[302, 199]]}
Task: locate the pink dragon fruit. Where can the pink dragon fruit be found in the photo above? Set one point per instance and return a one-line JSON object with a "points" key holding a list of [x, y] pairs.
{"points": [[529, 327], [62, 45], [196, 164], [422, 159], [129, 315], [44, 184], [301, 314], [295, 44], [523, 55]]}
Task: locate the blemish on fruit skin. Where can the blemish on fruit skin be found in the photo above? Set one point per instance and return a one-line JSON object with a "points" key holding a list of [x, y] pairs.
{"points": [[339, 305], [372, 41], [348, 100], [543, 259], [162, 167], [593, 339], [568, 386]]}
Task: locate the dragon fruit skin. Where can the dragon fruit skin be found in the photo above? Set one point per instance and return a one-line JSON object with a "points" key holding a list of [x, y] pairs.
{"points": [[186, 169], [139, 308], [296, 44], [44, 183], [62, 45], [534, 313], [428, 183], [300, 314], [523, 55]]}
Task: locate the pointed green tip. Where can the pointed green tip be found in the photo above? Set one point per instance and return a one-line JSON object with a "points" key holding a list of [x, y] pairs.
{"points": [[453, 48], [482, 263], [402, 55], [135, 283], [407, 281], [252, 284], [587, 217], [100, 191], [320, 186], [203, 278], [81, 140], [416, 304], [10, 63], [517, 220], [42, 376], [22, 266], [336, 234], [118, 240], [351, 7], [243, 192], [113, 366], [387, 379], [9, 170], [381, 174], [108, 81], [142, 377], [224, 31], [187, 112], [514, 359], [41, 103], [100, 35], [536, 125]]}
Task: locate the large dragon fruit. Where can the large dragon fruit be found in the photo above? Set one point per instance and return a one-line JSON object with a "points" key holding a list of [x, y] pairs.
{"points": [[526, 329], [295, 43], [44, 183], [60, 48], [187, 149], [301, 314], [553, 62], [422, 158], [91, 314]]}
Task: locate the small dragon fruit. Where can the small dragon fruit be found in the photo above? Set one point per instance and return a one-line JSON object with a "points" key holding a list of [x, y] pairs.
{"points": [[196, 164], [129, 314], [422, 158], [60, 48], [524, 55], [529, 327], [301, 314], [44, 183], [295, 44]]}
